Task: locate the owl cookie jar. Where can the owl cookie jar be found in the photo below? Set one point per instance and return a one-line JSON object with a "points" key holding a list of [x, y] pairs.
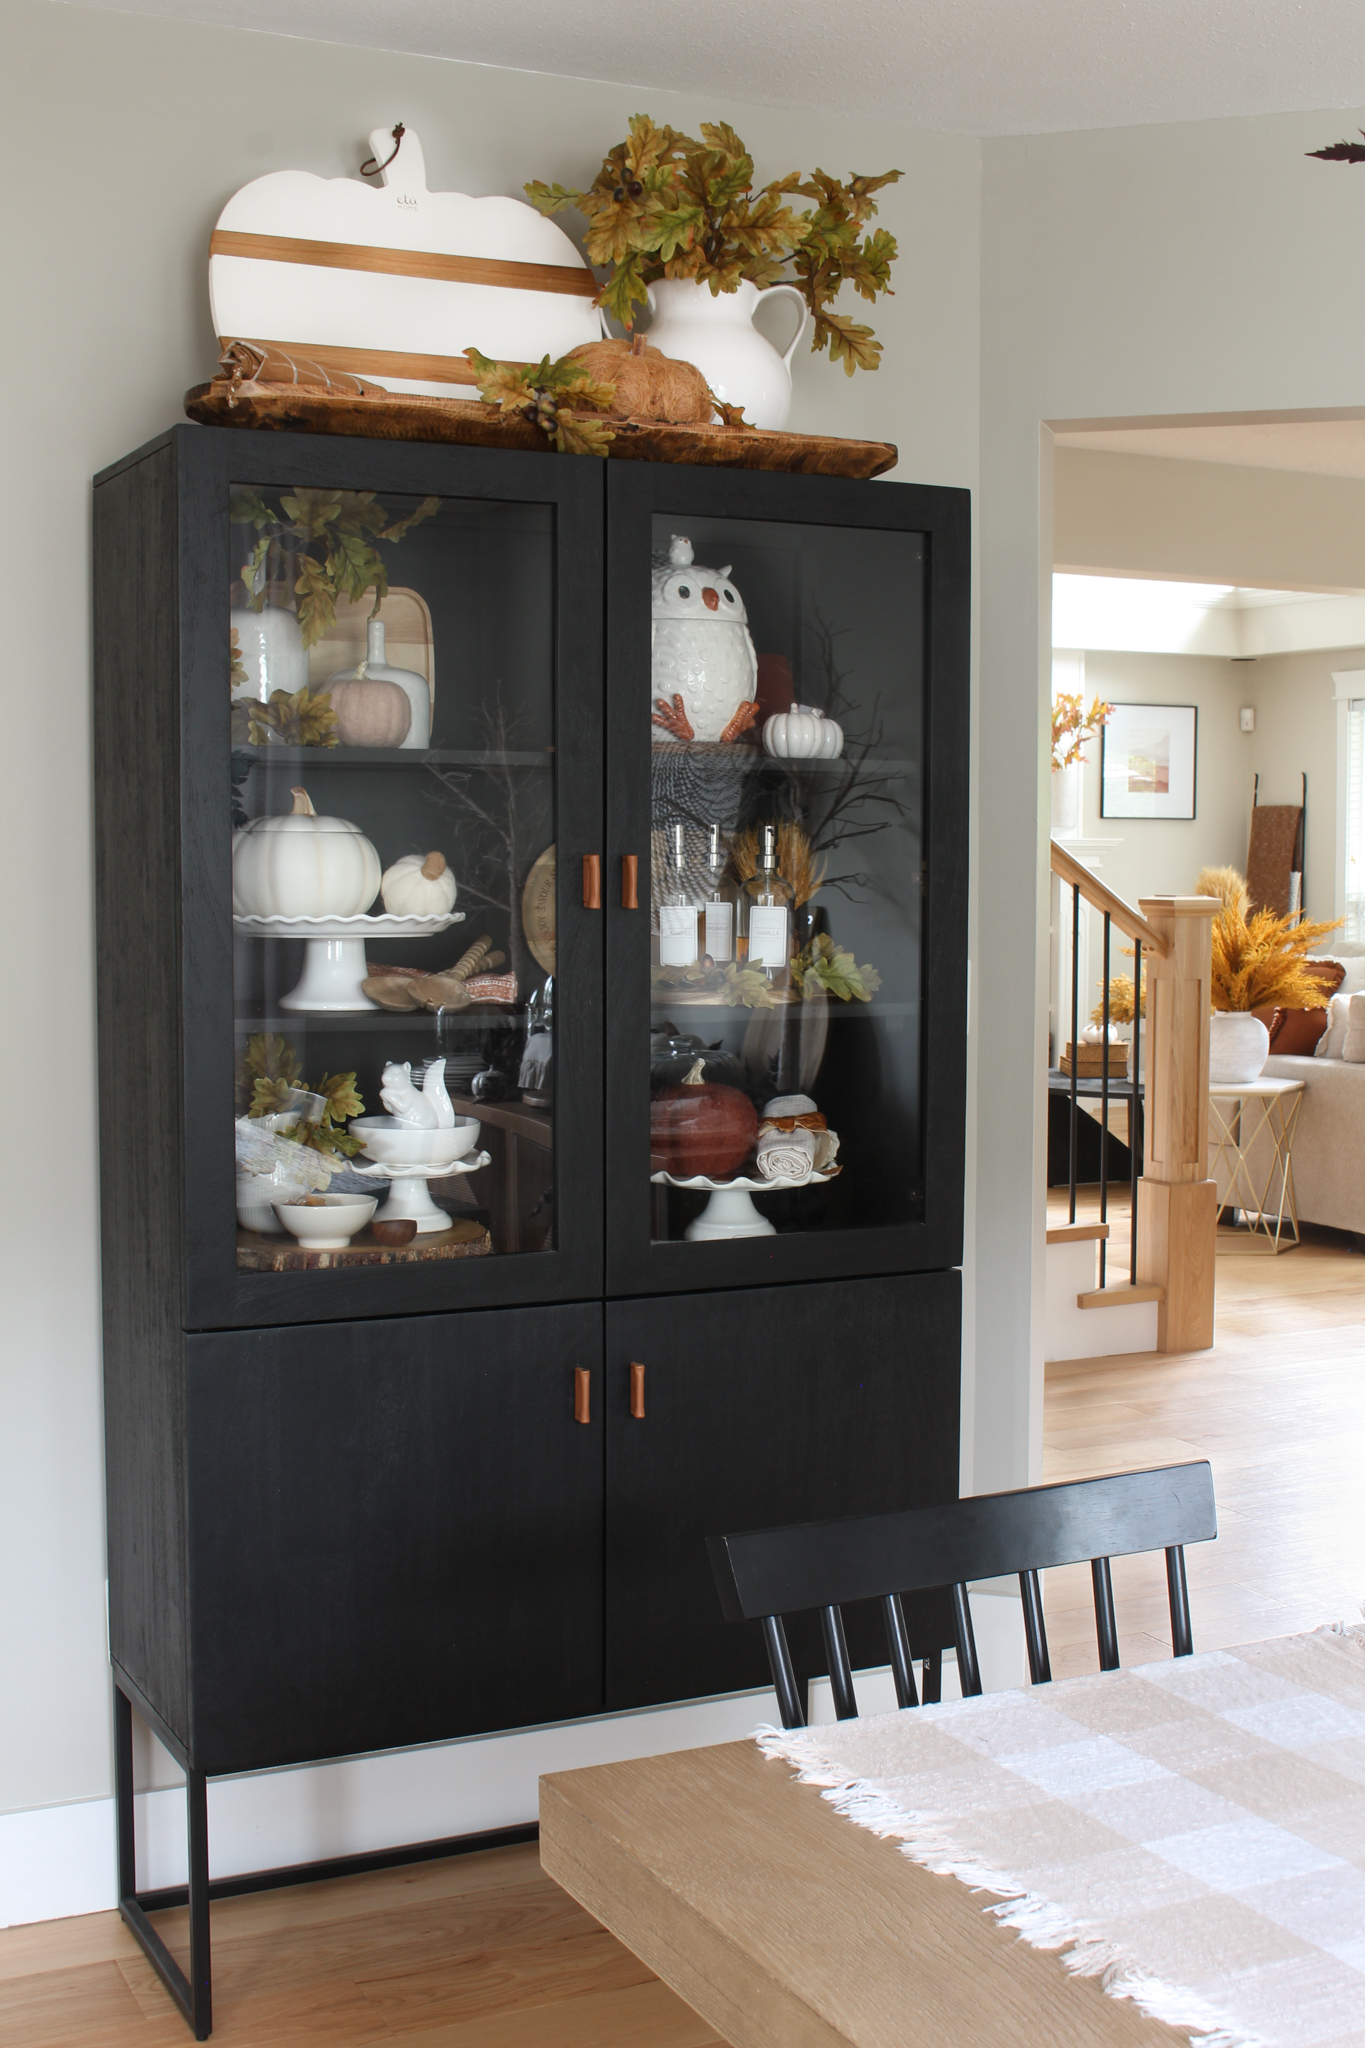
{"points": [[704, 675]]}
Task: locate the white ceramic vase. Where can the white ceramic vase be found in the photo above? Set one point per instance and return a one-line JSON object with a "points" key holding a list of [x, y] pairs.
{"points": [[716, 332], [270, 645], [1239, 1046], [1066, 800]]}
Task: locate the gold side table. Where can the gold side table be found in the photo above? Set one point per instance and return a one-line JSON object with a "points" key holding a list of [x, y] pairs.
{"points": [[1245, 1116]]}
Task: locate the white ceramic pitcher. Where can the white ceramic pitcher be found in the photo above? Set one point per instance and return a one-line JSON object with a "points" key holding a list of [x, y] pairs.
{"points": [[716, 332]]}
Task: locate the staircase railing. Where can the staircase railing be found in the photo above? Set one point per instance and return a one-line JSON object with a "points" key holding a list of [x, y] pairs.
{"points": [[1173, 1237]]}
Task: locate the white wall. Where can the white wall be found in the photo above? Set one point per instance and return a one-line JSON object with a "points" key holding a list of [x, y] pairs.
{"points": [[1159, 856], [1296, 732], [1142, 515], [1148, 271], [125, 136], [1210, 522]]}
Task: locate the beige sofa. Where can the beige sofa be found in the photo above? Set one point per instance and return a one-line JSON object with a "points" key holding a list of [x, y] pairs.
{"points": [[1329, 1141]]}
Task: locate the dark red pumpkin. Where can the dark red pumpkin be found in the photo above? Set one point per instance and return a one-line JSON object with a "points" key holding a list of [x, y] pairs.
{"points": [[700, 1127]]}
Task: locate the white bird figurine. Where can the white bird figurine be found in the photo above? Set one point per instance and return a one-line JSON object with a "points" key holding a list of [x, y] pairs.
{"points": [[704, 672]]}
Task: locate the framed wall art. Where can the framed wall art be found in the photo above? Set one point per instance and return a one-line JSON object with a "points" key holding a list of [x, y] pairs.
{"points": [[1147, 761]]}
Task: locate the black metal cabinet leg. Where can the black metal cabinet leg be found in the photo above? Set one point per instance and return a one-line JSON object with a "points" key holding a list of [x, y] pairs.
{"points": [[193, 1994], [201, 1974], [123, 1797]]}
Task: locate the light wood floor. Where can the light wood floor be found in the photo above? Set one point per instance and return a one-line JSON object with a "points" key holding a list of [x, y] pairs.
{"points": [[1278, 1408], [485, 1952]]}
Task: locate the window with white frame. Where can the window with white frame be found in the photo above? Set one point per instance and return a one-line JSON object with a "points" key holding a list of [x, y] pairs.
{"points": [[1353, 878]]}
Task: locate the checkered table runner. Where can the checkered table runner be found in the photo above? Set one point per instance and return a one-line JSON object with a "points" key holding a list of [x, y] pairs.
{"points": [[1192, 1831]]}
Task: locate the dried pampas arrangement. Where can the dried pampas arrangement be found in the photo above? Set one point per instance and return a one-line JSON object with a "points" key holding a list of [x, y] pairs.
{"points": [[795, 861], [1260, 961], [1227, 885]]}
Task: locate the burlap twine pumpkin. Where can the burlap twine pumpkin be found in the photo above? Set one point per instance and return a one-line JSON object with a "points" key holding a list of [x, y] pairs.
{"points": [[649, 384]]}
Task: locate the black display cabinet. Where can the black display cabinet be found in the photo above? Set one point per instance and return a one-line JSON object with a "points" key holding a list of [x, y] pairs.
{"points": [[471, 1254]]}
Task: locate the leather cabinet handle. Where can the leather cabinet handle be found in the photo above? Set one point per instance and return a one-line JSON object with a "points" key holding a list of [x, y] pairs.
{"points": [[637, 1392], [630, 881], [582, 1391], [592, 881]]}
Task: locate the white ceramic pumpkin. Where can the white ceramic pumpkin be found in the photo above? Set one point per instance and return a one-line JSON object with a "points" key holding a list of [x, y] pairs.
{"points": [[301, 865], [419, 885], [803, 734]]}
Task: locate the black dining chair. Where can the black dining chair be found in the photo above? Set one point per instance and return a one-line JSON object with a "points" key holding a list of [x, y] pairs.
{"points": [[763, 1574]]}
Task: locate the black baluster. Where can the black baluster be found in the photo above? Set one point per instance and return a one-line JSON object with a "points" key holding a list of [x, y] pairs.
{"points": [[1135, 1113], [1104, 1108], [1075, 1029]]}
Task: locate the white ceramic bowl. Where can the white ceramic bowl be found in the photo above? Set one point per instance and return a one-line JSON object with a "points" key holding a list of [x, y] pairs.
{"points": [[390, 1143], [326, 1223]]}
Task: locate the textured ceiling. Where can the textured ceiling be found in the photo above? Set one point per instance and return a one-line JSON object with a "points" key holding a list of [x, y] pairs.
{"points": [[1316, 447], [980, 67]]}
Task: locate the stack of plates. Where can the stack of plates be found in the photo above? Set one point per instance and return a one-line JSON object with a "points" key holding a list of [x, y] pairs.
{"points": [[460, 1071]]}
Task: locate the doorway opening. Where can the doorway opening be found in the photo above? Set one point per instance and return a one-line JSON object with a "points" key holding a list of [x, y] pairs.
{"points": [[1209, 591]]}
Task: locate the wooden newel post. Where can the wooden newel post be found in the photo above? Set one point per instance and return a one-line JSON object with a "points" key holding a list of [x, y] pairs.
{"points": [[1178, 1203]]}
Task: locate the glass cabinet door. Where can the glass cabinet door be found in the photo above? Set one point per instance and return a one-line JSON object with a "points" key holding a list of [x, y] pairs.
{"points": [[785, 684], [392, 811]]}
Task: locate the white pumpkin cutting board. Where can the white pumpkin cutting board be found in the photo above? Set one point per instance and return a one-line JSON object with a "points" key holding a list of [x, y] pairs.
{"points": [[393, 284]]}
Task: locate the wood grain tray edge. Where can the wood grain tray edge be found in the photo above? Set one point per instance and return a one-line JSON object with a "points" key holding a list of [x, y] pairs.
{"points": [[786, 1926], [259, 1254], [471, 423]]}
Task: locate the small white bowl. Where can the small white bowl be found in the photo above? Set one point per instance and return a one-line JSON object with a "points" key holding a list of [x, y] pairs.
{"points": [[390, 1143], [326, 1223]]}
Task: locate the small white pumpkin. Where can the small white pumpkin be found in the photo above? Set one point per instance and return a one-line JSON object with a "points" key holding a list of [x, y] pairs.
{"points": [[803, 734], [301, 865], [419, 885]]}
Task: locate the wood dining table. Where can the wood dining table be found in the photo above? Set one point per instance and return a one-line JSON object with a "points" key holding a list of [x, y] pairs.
{"points": [[786, 1925]]}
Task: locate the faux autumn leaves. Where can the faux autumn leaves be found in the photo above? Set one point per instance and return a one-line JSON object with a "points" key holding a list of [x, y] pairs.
{"points": [[666, 205]]}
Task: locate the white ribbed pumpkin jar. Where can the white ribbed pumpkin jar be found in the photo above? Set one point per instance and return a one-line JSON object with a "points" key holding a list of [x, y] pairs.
{"points": [[301, 865], [803, 734]]}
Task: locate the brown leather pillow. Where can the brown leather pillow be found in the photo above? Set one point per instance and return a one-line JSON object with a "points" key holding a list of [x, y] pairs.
{"points": [[1296, 1032], [1330, 973]]}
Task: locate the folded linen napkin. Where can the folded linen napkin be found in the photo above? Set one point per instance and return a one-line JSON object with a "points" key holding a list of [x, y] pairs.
{"points": [[785, 1155], [793, 1140]]}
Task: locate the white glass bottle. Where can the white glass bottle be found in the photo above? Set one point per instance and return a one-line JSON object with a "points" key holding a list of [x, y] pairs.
{"points": [[718, 904], [770, 914], [679, 911]]}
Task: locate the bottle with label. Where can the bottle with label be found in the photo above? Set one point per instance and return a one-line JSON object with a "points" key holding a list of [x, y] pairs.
{"points": [[679, 912], [718, 904], [769, 899]]}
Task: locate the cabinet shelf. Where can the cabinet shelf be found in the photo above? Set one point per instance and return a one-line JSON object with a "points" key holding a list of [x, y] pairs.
{"points": [[663, 1004], [418, 1021], [244, 758]]}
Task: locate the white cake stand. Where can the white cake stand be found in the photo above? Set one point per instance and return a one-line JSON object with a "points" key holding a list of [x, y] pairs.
{"points": [[409, 1196], [730, 1211], [334, 963]]}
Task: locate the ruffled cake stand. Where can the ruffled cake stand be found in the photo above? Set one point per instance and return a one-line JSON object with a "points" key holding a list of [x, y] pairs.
{"points": [[334, 955], [730, 1211], [409, 1195]]}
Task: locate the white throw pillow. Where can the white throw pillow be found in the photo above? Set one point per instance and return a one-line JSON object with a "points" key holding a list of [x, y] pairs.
{"points": [[1332, 1044], [1354, 963], [1354, 1048]]}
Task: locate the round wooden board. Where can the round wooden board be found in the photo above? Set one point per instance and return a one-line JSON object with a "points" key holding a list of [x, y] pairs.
{"points": [[538, 910], [405, 417]]}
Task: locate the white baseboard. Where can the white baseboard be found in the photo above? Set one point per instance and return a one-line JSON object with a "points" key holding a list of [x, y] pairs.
{"points": [[56, 1861]]}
